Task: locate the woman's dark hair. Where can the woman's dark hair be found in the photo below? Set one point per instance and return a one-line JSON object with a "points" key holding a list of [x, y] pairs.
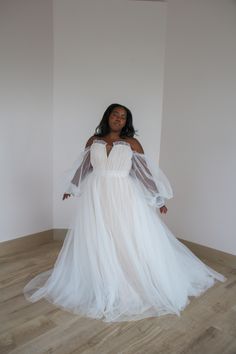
{"points": [[103, 127]]}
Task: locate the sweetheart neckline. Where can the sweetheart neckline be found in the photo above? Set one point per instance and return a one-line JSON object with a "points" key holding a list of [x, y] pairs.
{"points": [[113, 143], [112, 146], [117, 141]]}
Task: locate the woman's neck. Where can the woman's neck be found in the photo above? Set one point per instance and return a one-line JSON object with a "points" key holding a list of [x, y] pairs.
{"points": [[113, 136]]}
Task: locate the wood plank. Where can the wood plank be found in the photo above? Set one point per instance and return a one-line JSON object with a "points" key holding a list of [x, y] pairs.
{"points": [[207, 324]]}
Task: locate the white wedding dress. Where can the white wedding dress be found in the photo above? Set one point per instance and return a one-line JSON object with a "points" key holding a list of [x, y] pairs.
{"points": [[119, 261]]}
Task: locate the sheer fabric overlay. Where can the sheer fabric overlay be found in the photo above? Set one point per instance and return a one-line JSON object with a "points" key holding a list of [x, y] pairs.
{"points": [[74, 177], [152, 180], [119, 261]]}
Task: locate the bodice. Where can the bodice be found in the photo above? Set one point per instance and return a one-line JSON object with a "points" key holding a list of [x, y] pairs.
{"points": [[117, 162]]}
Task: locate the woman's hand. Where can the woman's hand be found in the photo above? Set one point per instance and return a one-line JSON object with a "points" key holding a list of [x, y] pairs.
{"points": [[66, 195], [163, 209]]}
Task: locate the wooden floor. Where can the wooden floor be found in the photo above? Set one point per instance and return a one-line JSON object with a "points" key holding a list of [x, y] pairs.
{"points": [[206, 326]]}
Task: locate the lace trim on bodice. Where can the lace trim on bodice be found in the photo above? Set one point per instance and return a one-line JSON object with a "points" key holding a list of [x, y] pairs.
{"points": [[117, 142]]}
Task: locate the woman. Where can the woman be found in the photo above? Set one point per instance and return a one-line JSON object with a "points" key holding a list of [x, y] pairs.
{"points": [[119, 261]]}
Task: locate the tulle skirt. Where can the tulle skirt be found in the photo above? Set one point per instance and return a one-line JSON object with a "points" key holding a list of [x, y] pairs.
{"points": [[119, 261]]}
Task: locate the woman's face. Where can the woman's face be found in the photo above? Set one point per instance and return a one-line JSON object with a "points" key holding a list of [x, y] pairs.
{"points": [[117, 119]]}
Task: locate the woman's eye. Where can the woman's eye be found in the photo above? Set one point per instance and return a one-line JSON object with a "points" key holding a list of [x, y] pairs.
{"points": [[117, 115]]}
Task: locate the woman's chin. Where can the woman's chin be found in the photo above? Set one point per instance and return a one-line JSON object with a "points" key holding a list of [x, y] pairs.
{"points": [[116, 129]]}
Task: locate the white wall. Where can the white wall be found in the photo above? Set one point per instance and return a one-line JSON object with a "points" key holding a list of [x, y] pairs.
{"points": [[108, 51], [105, 51], [26, 117], [198, 142]]}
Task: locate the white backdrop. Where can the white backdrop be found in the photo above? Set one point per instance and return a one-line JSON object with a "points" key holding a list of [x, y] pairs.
{"points": [[198, 142], [26, 117]]}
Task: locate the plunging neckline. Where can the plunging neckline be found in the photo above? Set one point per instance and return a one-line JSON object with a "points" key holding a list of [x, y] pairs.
{"points": [[105, 143]]}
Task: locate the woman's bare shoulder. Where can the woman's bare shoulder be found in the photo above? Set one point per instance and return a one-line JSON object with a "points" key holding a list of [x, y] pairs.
{"points": [[136, 145], [90, 140]]}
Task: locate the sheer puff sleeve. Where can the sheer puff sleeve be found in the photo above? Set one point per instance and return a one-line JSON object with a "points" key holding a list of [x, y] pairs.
{"points": [[74, 177], [151, 179]]}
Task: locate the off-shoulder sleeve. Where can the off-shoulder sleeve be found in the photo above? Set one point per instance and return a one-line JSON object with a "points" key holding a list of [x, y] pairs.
{"points": [[74, 177], [152, 180]]}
